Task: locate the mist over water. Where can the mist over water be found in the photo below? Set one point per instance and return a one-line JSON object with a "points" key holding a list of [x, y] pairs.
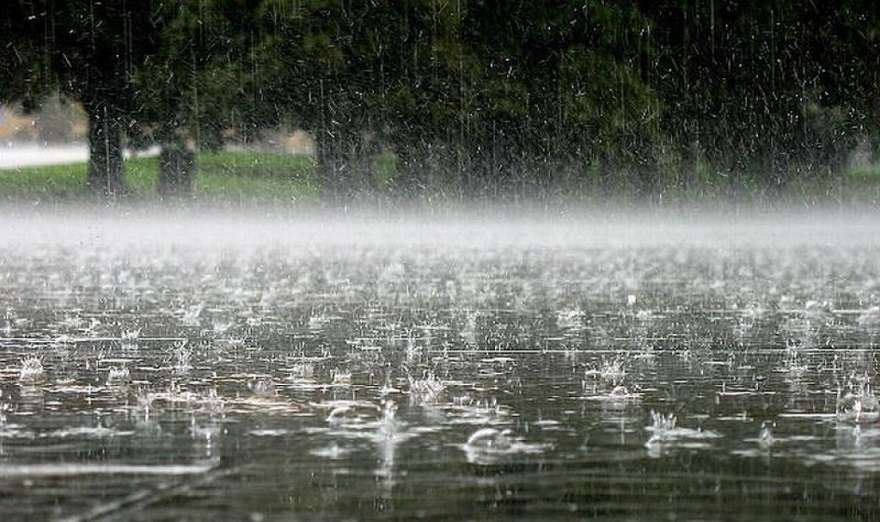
{"points": [[486, 227], [188, 365]]}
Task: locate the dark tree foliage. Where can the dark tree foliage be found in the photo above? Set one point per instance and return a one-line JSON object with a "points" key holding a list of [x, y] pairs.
{"points": [[765, 88], [469, 97], [496, 95], [482, 92]]}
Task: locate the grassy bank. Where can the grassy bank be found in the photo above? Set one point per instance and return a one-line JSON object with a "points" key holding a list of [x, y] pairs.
{"points": [[863, 185], [256, 178], [223, 177]]}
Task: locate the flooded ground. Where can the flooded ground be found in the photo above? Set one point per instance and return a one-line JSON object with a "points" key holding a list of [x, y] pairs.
{"points": [[271, 372]]}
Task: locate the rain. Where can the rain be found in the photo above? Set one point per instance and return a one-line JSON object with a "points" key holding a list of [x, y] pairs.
{"points": [[435, 260]]}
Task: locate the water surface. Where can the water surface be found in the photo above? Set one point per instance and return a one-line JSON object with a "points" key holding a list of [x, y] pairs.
{"points": [[168, 370]]}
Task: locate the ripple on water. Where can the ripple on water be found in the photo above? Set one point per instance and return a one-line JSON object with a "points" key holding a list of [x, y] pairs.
{"points": [[320, 375]]}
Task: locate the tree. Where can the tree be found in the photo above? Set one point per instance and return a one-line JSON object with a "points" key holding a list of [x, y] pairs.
{"points": [[477, 95], [480, 90], [765, 91], [213, 79], [88, 51]]}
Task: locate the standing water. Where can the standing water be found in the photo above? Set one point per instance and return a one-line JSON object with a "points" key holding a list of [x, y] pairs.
{"points": [[176, 369]]}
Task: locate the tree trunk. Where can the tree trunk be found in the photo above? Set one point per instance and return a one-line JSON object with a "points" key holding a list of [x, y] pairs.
{"points": [[345, 165], [177, 166], [331, 170], [647, 175], [875, 148], [105, 150], [606, 175]]}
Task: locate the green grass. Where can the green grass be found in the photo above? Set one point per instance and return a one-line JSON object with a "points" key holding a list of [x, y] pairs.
{"points": [[871, 174], [222, 177], [863, 185], [254, 178]]}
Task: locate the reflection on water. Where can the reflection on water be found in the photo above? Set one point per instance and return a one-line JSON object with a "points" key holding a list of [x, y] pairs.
{"points": [[400, 380]]}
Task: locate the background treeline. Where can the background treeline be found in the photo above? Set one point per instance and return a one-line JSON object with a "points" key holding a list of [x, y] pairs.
{"points": [[468, 98]]}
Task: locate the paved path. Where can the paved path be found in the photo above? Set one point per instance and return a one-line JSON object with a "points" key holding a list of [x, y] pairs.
{"points": [[16, 155]]}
